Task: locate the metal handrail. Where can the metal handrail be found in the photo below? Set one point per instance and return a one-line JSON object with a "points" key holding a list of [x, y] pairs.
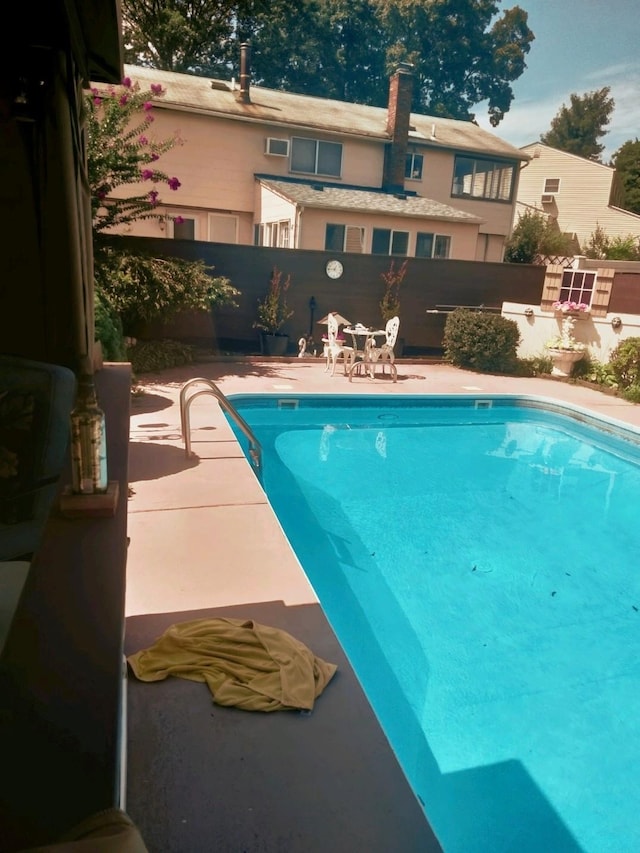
{"points": [[255, 450]]}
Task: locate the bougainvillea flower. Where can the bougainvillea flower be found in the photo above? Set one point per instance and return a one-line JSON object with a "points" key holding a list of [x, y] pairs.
{"points": [[147, 174], [143, 140], [153, 196], [97, 101], [174, 183], [147, 106], [123, 99], [155, 157], [156, 88], [179, 220], [126, 82]]}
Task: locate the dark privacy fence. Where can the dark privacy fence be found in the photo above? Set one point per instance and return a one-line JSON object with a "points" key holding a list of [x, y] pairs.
{"points": [[429, 286]]}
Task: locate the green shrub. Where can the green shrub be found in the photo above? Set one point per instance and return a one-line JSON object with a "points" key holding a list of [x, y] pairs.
{"points": [[536, 365], [632, 393], [108, 330], [150, 356], [625, 363], [484, 342], [599, 373]]}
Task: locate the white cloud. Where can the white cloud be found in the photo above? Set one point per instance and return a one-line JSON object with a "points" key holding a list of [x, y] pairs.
{"points": [[529, 117]]}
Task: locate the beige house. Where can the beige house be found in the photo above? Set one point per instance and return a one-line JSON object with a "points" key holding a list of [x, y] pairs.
{"points": [[577, 192], [271, 168]]}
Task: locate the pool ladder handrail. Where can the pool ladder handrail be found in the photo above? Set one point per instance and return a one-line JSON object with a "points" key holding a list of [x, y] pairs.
{"points": [[255, 450]]}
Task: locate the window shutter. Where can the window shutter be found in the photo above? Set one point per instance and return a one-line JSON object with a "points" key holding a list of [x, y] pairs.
{"points": [[353, 242], [551, 287], [602, 293]]}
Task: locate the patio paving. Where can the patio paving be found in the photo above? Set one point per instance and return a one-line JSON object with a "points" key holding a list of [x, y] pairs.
{"points": [[205, 542]]}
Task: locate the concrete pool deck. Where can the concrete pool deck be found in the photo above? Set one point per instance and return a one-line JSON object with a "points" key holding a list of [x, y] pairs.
{"points": [[204, 542]]}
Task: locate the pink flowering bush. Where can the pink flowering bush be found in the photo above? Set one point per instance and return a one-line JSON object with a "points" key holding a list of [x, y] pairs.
{"points": [[121, 151], [132, 286]]}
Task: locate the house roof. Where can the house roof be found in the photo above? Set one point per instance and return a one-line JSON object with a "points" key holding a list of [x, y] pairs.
{"points": [[219, 97], [535, 149], [335, 197]]}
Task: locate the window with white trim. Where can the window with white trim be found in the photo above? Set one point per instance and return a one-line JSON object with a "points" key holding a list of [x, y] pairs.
{"points": [[432, 245], [490, 180], [343, 238], [551, 185], [413, 167], [316, 157], [223, 228], [388, 242], [577, 286], [274, 234]]}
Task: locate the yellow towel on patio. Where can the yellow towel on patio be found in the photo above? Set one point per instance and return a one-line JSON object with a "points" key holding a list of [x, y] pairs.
{"points": [[244, 664]]}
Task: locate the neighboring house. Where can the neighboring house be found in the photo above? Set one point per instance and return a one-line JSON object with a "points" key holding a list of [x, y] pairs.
{"points": [[272, 168], [580, 194]]}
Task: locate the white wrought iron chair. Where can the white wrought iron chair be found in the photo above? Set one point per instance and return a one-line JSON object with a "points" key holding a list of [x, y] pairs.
{"points": [[336, 349], [383, 354]]}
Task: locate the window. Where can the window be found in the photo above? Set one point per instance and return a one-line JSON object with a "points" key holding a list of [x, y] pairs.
{"points": [[275, 234], [182, 229], [577, 286], [334, 237], [491, 180], [223, 228], [413, 167], [551, 185], [314, 157], [432, 245], [343, 238], [388, 242]]}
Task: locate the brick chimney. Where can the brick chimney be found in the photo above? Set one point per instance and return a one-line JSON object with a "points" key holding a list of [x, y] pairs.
{"points": [[245, 74], [398, 119]]}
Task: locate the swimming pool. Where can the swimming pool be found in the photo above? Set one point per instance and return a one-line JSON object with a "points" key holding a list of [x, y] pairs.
{"points": [[477, 558]]}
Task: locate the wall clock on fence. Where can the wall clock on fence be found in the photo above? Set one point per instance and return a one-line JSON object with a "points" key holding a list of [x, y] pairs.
{"points": [[334, 269]]}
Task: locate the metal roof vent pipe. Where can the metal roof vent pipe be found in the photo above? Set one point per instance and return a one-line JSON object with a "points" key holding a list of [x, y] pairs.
{"points": [[244, 95]]}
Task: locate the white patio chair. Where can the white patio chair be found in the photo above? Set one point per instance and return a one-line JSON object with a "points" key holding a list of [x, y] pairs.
{"points": [[383, 354], [336, 349]]}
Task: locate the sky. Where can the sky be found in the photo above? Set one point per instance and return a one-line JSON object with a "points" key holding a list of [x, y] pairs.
{"points": [[580, 46]]}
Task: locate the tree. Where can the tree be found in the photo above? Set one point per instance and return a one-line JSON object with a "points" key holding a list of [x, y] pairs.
{"points": [[577, 128], [627, 164], [122, 154], [535, 234], [176, 35], [602, 247], [463, 52]]}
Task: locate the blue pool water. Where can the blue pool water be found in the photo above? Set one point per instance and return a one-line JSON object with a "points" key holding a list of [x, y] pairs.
{"points": [[478, 559]]}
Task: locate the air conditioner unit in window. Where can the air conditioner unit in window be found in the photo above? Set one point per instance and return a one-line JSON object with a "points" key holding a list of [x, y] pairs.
{"points": [[277, 147], [548, 198]]}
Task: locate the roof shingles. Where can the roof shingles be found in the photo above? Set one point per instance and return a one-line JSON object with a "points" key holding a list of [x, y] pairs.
{"points": [[349, 198], [185, 91]]}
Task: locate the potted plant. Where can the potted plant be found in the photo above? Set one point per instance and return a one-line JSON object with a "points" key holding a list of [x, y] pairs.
{"points": [[565, 351], [273, 313]]}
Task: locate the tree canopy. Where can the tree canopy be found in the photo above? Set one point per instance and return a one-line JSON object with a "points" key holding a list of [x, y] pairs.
{"points": [[535, 234], [627, 164], [464, 52], [577, 128]]}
